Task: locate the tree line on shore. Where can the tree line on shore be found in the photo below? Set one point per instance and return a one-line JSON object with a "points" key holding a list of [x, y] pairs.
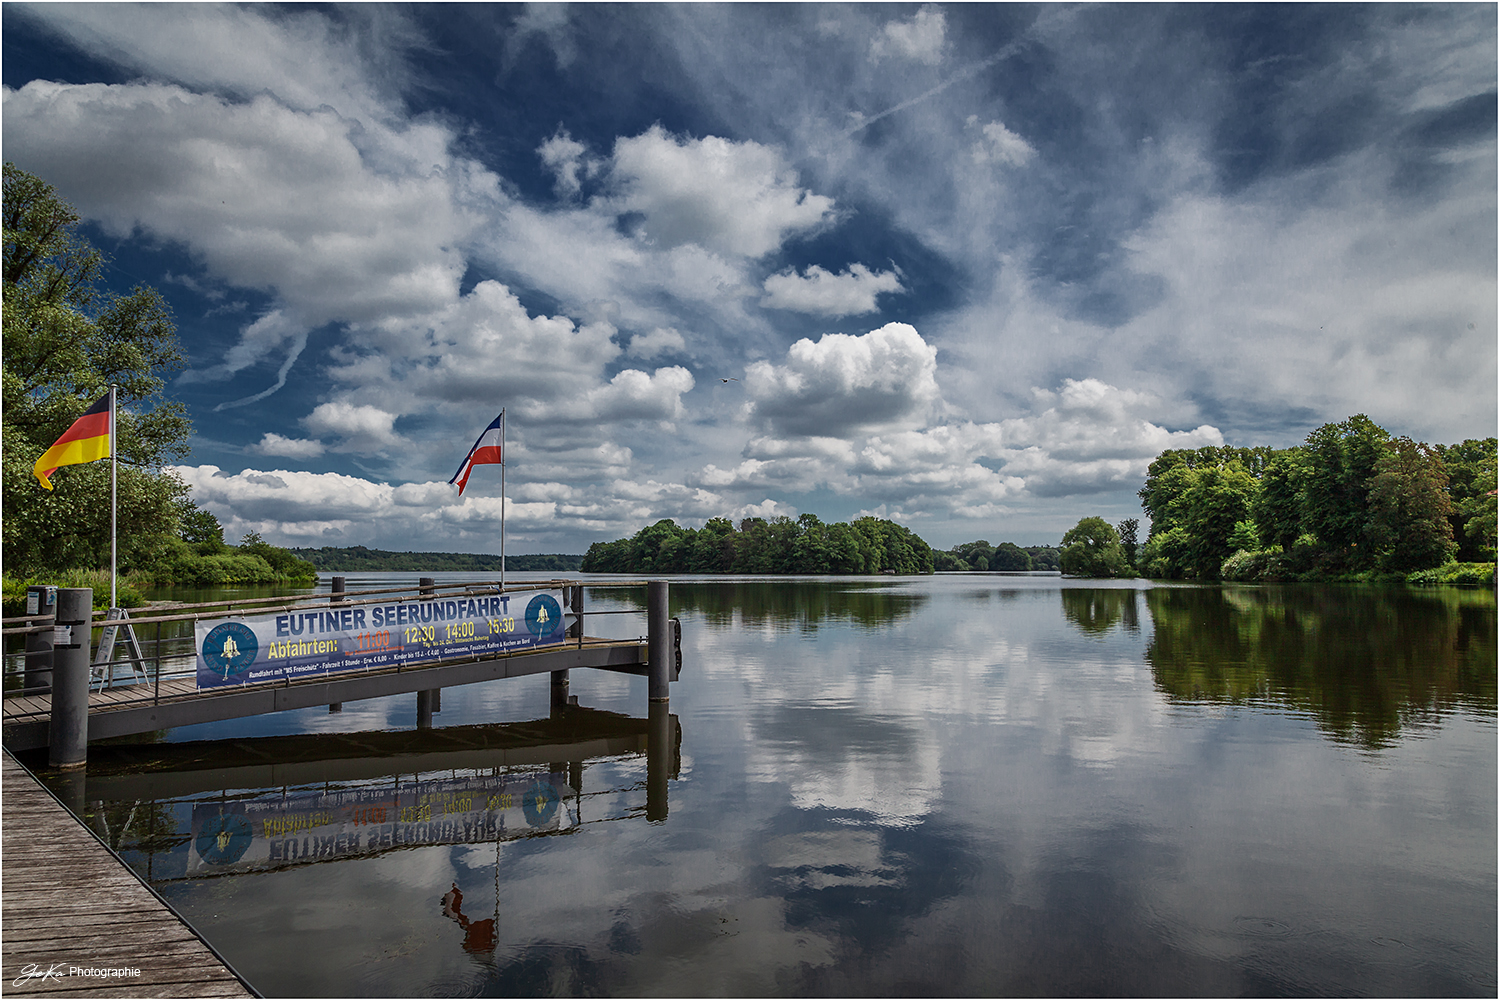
{"points": [[328, 558], [1350, 503]]}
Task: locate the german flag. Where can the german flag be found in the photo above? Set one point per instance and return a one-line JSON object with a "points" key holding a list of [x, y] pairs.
{"points": [[85, 441]]}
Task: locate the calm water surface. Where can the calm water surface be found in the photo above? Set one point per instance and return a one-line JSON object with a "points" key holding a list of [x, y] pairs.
{"points": [[958, 785]]}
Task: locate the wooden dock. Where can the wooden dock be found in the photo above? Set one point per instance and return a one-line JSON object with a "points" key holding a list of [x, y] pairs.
{"points": [[78, 922], [117, 712]]}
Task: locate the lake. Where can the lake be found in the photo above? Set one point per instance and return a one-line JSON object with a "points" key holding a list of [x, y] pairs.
{"points": [[967, 784]]}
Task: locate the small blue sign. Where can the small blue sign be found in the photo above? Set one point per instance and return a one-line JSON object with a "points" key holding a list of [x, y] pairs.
{"points": [[229, 649], [543, 615]]}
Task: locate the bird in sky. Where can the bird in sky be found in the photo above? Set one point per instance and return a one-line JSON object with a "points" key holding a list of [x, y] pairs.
{"points": [[729, 380]]}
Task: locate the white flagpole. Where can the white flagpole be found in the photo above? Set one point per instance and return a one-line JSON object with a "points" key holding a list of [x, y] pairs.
{"points": [[502, 498], [113, 494]]}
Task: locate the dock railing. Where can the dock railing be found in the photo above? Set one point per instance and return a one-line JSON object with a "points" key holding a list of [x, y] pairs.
{"points": [[165, 647]]}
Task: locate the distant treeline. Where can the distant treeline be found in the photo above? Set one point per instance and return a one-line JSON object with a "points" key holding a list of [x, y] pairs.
{"points": [[758, 546], [1007, 556], [360, 558]]}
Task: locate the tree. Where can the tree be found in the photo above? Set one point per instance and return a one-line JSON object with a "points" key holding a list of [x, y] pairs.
{"points": [[66, 338], [1092, 549], [1217, 502], [1471, 482], [1409, 508], [1336, 490], [1127, 530], [1277, 508]]}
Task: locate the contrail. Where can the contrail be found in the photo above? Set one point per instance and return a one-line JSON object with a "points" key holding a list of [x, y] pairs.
{"points": [[298, 343], [963, 74]]}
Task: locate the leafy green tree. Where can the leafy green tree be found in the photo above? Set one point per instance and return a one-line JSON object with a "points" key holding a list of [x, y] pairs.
{"points": [[1336, 490], [1471, 482], [1409, 508], [199, 528], [1217, 502], [1167, 554], [1277, 508], [1128, 529], [1244, 537], [1091, 548], [1170, 476], [1010, 557], [66, 339]]}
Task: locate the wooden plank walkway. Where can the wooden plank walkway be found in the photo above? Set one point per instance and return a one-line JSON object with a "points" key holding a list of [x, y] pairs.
{"points": [[68, 903]]}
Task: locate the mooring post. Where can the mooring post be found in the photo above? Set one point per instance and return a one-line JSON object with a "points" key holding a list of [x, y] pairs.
{"points": [[68, 738], [659, 655], [40, 600], [658, 759], [433, 701], [335, 597], [559, 701]]}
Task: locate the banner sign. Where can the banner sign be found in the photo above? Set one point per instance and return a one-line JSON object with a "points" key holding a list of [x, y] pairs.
{"points": [[254, 835], [310, 642]]}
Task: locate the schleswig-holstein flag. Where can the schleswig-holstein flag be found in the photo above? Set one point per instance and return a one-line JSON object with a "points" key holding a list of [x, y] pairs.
{"points": [[487, 449], [85, 441]]}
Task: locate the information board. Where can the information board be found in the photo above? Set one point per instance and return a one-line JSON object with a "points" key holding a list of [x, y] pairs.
{"points": [[311, 642]]}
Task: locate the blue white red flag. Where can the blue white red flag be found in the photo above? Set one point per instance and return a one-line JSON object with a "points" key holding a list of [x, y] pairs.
{"points": [[487, 449]]}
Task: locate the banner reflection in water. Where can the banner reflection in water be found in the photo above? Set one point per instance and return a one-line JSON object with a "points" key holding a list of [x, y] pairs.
{"points": [[260, 834]]}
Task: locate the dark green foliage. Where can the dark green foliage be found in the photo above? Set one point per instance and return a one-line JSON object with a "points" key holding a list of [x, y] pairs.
{"points": [[1044, 557], [1010, 557], [199, 528], [1409, 508], [1092, 549], [1471, 486], [1277, 508], [778, 546], [66, 338], [1128, 538], [1216, 503], [1336, 489], [1349, 504], [1169, 477], [357, 558]]}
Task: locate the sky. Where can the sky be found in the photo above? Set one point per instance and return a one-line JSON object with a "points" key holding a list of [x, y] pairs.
{"points": [[969, 267]]}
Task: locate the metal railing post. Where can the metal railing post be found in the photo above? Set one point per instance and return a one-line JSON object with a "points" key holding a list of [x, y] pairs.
{"points": [[659, 656], [68, 737], [40, 601], [336, 596], [431, 700]]}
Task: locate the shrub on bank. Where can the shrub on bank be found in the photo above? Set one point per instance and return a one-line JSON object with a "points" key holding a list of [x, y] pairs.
{"points": [[126, 591], [1472, 574]]}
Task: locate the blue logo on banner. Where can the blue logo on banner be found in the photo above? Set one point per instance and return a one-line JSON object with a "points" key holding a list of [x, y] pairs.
{"points": [[543, 615], [540, 801], [230, 648], [223, 839]]}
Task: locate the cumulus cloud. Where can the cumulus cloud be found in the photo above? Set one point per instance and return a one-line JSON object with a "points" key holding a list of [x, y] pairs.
{"points": [[738, 198], [291, 448], [342, 223], [362, 428], [843, 384], [662, 340], [563, 155], [1000, 145], [920, 39], [823, 293]]}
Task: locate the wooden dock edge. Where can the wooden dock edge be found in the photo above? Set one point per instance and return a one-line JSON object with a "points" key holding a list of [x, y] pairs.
{"points": [[78, 921]]}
